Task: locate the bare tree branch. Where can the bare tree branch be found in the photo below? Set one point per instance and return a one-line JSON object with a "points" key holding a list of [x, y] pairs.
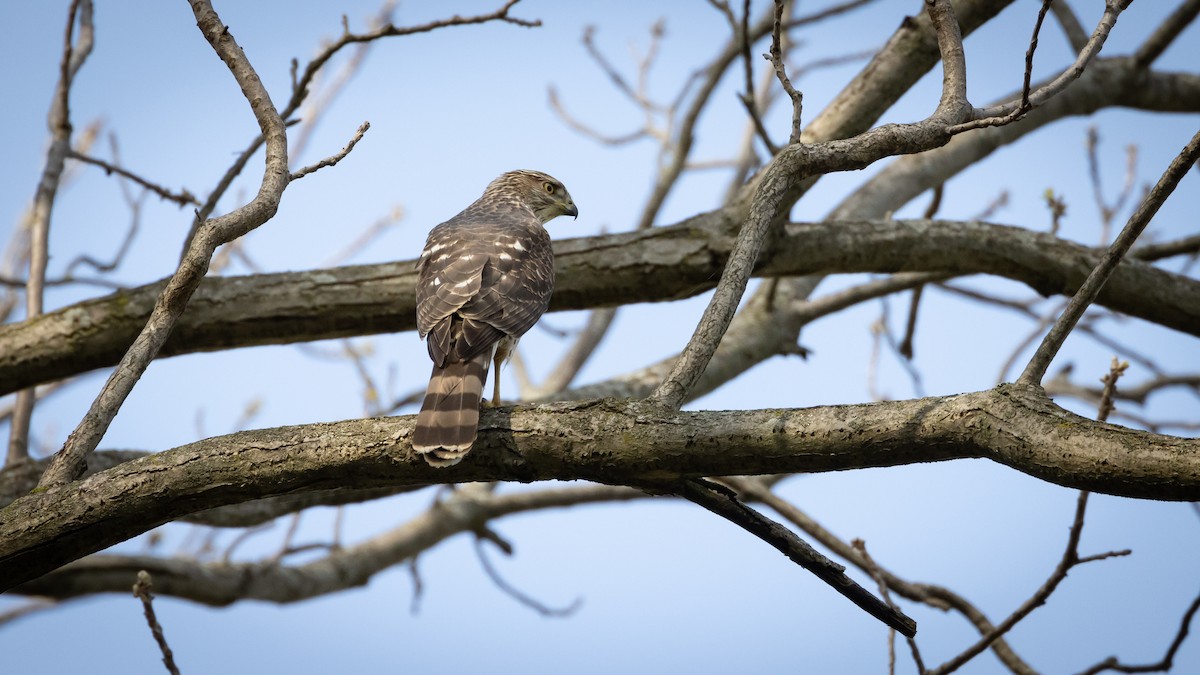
{"points": [[70, 461], [1070, 558], [333, 159], [781, 177], [74, 55], [776, 58], [719, 500], [183, 198], [1036, 369], [141, 591], [1006, 113], [220, 584], [938, 597], [656, 265], [622, 442], [1166, 33], [1168, 659]]}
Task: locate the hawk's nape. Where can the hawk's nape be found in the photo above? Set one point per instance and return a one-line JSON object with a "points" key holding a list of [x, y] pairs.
{"points": [[484, 278]]}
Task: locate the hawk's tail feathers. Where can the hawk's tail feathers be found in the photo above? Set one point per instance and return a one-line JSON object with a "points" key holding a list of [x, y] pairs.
{"points": [[449, 417]]}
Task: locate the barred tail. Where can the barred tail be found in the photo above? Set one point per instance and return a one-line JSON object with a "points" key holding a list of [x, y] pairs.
{"points": [[449, 417]]}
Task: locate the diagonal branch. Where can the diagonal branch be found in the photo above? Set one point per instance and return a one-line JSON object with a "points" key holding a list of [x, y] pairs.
{"points": [[1005, 113], [785, 173], [70, 461], [1187, 158], [333, 159], [939, 597], [723, 502], [1070, 558], [1166, 33]]}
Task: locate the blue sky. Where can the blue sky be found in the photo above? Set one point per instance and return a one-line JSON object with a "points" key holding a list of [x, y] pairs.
{"points": [[665, 587]]}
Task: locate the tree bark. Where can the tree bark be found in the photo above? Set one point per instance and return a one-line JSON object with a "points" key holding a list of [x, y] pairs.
{"points": [[654, 265], [607, 441]]}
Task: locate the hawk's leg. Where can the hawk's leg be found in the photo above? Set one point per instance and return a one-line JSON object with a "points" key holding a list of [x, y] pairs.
{"points": [[495, 402], [504, 349]]}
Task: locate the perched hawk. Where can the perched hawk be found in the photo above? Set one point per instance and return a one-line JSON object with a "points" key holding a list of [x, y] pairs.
{"points": [[484, 278]]}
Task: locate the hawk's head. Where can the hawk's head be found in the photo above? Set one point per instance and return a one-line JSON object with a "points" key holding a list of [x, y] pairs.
{"points": [[541, 193]]}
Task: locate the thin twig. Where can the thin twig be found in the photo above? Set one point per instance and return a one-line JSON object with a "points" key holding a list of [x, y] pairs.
{"points": [[365, 238], [905, 348], [135, 222], [1108, 211], [747, 97], [319, 102], [173, 300], [776, 58], [1061, 384], [73, 57], [1105, 407], [938, 597], [584, 345], [1070, 558], [877, 574], [1168, 659], [141, 591], [1112, 257], [333, 159], [183, 198], [512, 591], [1006, 113]]}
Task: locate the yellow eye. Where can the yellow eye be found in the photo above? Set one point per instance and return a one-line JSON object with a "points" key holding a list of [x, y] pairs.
{"points": [[549, 187]]}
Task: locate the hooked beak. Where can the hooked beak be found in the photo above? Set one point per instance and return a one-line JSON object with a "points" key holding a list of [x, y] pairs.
{"points": [[572, 211]]}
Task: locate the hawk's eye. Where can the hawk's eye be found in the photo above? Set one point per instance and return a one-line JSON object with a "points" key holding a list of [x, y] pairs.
{"points": [[549, 187]]}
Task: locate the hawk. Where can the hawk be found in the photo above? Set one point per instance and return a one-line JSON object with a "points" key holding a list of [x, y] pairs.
{"points": [[484, 279]]}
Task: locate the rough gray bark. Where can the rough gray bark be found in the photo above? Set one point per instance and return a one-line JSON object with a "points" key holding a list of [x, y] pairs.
{"points": [[225, 583], [608, 441], [17, 480], [654, 265]]}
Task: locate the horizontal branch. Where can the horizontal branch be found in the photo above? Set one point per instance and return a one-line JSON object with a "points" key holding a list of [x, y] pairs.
{"points": [[223, 583], [660, 264], [607, 441], [18, 479]]}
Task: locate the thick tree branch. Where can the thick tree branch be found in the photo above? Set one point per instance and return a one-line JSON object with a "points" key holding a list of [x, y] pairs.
{"points": [[17, 480], [655, 265], [609, 441]]}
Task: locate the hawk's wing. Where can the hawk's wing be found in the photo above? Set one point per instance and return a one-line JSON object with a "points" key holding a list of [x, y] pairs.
{"points": [[480, 281]]}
